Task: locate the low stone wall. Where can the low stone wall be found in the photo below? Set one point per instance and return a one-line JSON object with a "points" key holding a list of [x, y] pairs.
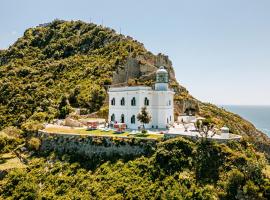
{"points": [[195, 138], [90, 147]]}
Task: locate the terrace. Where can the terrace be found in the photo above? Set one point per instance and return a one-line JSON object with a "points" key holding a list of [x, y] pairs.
{"points": [[97, 127], [65, 130]]}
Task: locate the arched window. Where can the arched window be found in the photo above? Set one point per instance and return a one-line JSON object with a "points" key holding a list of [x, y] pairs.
{"points": [[122, 103], [133, 101], [122, 118], [113, 102], [170, 118], [170, 103], [112, 118], [133, 119], [146, 101]]}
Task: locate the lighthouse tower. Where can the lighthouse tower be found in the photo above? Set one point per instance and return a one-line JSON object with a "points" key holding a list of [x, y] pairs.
{"points": [[162, 79], [127, 102]]}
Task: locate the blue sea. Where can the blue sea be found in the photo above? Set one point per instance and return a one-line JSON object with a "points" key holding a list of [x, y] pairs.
{"points": [[258, 115]]}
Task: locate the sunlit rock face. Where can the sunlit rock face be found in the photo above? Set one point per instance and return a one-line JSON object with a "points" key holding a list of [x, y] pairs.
{"points": [[143, 69]]}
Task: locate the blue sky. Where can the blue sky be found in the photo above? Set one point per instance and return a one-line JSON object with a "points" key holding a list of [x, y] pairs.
{"points": [[220, 49]]}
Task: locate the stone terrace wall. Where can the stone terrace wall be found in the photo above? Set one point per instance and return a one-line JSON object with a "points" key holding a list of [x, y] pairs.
{"points": [[95, 146], [195, 138]]}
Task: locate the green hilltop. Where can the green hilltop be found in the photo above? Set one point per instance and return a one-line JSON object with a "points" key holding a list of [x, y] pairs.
{"points": [[75, 61], [63, 59], [56, 67]]}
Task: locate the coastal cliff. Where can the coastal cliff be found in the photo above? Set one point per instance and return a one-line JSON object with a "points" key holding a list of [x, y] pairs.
{"points": [[62, 65], [59, 66]]}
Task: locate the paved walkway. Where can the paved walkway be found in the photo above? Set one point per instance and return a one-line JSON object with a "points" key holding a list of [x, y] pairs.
{"points": [[187, 130]]}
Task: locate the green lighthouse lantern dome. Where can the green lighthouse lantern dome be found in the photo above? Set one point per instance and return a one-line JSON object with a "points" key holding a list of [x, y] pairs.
{"points": [[162, 75]]}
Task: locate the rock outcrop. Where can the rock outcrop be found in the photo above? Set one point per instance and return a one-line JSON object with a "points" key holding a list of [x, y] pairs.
{"points": [[79, 60], [143, 69]]}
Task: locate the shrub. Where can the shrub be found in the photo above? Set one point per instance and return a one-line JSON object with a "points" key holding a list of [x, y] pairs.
{"points": [[251, 191], [103, 112], [39, 116], [8, 144], [34, 144], [174, 155], [209, 159], [236, 180], [3, 143], [141, 134], [31, 127], [13, 131], [144, 131]]}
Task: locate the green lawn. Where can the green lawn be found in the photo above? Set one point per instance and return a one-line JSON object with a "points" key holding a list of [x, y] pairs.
{"points": [[83, 131]]}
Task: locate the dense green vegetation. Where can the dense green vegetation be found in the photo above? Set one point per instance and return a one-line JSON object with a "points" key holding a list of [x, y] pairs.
{"points": [[57, 67], [179, 169], [61, 61], [62, 65], [237, 125], [10, 138]]}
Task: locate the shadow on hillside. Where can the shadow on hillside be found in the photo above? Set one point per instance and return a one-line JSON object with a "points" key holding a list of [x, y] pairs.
{"points": [[90, 163]]}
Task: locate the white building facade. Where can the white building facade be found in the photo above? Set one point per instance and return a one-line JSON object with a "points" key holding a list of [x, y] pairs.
{"points": [[125, 103]]}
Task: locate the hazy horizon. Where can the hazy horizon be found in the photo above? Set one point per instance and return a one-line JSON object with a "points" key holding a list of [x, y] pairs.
{"points": [[220, 50]]}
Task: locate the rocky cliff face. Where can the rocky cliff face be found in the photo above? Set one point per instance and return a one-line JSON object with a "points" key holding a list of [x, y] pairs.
{"points": [[141, 67], [94, 147], [142, 70], [77, 61]]}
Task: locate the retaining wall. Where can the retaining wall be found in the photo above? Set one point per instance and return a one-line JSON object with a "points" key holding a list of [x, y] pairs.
{"points": [[90, 146]]}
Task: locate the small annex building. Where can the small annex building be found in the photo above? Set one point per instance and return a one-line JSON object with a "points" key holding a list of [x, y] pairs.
{"points": [[125, 103]]}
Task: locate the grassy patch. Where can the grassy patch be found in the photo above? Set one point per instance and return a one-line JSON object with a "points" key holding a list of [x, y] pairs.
{"points": [[10, 161], [83, 131], [155, 136]]}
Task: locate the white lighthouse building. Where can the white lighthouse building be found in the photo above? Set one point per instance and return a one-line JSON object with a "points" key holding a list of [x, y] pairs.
{"points": [[126, 102]]}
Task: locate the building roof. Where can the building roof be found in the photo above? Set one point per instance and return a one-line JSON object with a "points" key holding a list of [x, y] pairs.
{"points": [[162, 70], [130, 88], [224, 128]]}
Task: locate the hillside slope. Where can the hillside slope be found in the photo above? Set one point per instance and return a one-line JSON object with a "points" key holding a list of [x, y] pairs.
{"points": [[76, 61], [178, 169]]}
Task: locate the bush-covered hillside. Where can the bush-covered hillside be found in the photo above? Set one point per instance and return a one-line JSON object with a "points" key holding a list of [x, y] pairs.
{"points": [[62, 65], [179, 169], [237, 125], [61, 61], [65, 64]]}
